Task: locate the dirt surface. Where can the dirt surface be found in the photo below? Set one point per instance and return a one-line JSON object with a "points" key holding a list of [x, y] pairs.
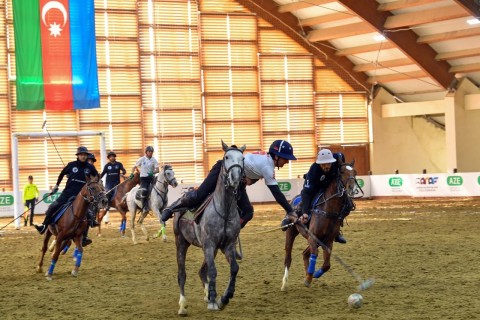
{"points": [[423, 254]]}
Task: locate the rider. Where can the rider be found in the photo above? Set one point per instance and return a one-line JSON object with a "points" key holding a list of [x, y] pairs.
{"points": [[76, 171], [257, 165], [112, 169], [148, 166], [321, 174]]}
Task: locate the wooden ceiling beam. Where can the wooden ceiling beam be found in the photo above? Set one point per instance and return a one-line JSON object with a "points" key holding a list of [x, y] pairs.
{"points": [[267, 10], [452, 35], [293, 6], [366, 48], [403, 4], [422, 54], [425, 16], [348, 30], [474, 67], [382, 64], [397, 77], [458, 54], [325, 18], [472, 7]]}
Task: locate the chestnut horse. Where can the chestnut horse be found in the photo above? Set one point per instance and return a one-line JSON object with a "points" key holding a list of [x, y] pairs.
{"points": [[117, 202], [324, 224], [71, 225]]}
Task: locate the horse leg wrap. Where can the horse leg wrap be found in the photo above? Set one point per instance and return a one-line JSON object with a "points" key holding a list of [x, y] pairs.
{"points": [[318, 273], [79, 259], [311, 266], [65, 249], [52, 266], [75, 253]]}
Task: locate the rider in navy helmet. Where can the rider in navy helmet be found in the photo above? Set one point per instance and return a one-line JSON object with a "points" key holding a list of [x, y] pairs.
{"points": [[282, 149]]}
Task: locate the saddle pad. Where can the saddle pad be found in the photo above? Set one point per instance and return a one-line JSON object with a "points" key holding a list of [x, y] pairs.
{"points": [[60, 212]]}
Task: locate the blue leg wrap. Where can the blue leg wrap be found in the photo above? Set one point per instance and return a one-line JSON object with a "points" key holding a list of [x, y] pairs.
{"points": [[65, 249], [75, 252], [318, 273], [79, 259], [311, 266], [52, 266], [123, 226]]}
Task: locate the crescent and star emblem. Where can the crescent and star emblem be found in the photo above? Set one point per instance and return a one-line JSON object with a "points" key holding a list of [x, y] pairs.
{"points": [[55, 28]]}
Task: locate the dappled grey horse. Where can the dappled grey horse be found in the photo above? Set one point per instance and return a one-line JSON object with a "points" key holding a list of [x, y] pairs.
{"points": [[218, 229], [158, 200]]}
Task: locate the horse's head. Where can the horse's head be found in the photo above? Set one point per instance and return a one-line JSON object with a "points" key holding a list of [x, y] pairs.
{"points": [[94, 192], [347, 177], [169, 175], [233, 166]]}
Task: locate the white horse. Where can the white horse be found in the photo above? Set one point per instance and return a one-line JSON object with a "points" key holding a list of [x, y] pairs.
{"points": [[158, 199]]}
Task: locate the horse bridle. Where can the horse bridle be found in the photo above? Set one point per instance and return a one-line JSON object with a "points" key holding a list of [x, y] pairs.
{"points": [[227, 170], [357, 190], [91, 198], [165, 183]]}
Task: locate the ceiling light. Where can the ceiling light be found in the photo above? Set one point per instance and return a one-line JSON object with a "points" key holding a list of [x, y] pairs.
{"points": [[473, 21], [379, 37]]}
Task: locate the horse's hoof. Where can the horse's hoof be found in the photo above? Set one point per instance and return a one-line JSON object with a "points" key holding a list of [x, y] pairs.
{"points": [[284, 288], [182, 312], [307, 283], [99, 235], [164, 239], [74, 273], [39, 270], [221, 306], [213, 306], [48, 277]]}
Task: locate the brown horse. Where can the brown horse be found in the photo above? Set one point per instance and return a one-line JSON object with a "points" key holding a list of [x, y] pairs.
{"points": [[72, 224], [324, 224], [117, 202]]}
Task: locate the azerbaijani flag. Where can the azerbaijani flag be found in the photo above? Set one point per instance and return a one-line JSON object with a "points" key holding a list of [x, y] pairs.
{"points": [[55, 54]]}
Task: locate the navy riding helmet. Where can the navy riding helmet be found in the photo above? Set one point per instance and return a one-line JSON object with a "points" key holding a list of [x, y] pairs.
{"points": [[283, 149]]}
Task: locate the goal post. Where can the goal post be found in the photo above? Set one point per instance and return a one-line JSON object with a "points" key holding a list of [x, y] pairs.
{"points": [[18, 203]]}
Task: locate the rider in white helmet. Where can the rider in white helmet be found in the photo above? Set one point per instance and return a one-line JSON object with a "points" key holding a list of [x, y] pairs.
{"points": [[320, 175]]}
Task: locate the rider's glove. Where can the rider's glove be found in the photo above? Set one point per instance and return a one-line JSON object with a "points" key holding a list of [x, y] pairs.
{"points": [[131, 176], [150, 174], [55, 189]]}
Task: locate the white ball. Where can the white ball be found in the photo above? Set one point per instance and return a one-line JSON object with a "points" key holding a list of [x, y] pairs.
{"points": [[355, 300]]}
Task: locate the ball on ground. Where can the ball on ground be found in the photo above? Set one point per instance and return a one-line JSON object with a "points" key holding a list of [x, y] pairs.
{"points": [[355, 300]]}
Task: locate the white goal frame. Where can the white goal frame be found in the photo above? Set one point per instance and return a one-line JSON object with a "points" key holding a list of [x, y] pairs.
{"points": [[18, 204]]}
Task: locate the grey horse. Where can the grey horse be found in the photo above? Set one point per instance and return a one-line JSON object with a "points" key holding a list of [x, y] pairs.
{"points": [[218, 229], [158, 200]]}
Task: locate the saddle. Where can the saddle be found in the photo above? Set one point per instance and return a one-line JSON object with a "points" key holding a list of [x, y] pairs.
{"points": [[143, 193], [195, 214], [57, 215]]}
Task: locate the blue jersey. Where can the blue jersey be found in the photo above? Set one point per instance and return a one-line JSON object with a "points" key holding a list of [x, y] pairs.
{"points": [[112, 170]]}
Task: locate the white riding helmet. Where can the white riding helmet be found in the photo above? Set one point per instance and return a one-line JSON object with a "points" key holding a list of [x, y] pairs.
{"points": [[325, 156]]}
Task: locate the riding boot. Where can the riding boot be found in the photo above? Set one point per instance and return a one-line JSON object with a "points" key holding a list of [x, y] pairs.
{"points": [[339, 238], [41, 228], [86, 240], [91, 217], [189, 199], [146, 208]]}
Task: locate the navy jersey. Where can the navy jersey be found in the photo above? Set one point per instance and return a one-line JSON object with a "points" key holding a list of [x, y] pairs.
{"points": [[76, 171], [112, 170], [316, 179]]}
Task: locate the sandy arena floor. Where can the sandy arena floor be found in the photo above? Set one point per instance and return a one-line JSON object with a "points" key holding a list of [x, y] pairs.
{"points": [[423, 254]]}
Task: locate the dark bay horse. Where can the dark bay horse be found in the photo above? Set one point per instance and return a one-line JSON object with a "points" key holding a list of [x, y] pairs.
{"points": [[118, 203], [324, 225], [72, 224], [218, 229]]}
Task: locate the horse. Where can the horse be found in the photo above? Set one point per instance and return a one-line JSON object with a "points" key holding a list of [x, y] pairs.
{"points": [[118, 203], [158, 200], [71, 225], [218, 229], [324, 224]]}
